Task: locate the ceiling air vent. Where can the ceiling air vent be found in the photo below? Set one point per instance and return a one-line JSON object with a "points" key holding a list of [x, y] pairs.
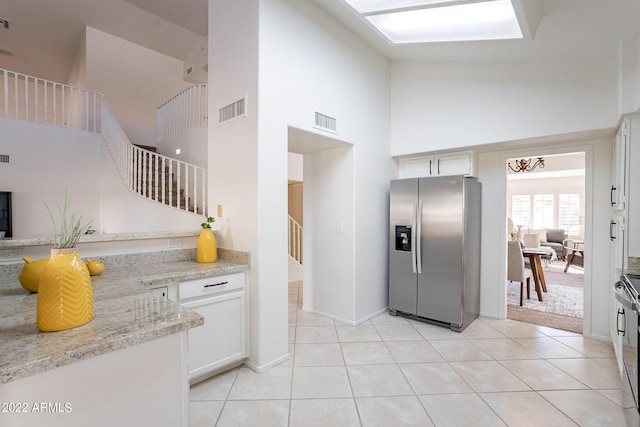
{"points": [[326, 123], [4, 158], [231, 111]]}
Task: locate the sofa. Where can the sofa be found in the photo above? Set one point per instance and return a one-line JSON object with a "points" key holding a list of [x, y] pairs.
{"points": [[555, 238]]}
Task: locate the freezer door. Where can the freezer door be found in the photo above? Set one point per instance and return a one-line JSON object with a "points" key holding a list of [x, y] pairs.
{"points": [[402, 262], [440, 286]]}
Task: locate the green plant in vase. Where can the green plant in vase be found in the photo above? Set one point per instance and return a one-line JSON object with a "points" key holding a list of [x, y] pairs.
{"points": [[65, 296], [206, 250]]}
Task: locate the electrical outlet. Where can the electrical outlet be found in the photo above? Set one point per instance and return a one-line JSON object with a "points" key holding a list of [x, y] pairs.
{"points": [[175, 243], [339, 226], [10, 255]]}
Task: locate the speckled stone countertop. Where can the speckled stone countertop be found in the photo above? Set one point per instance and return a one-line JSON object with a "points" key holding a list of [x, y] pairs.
{"points": [[125, 314]]}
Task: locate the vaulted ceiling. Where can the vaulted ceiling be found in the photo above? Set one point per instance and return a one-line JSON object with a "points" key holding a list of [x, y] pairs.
{"points": [[43, 35]]}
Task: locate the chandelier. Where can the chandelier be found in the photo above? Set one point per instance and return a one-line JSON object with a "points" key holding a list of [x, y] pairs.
{"points": [[524, 165]]}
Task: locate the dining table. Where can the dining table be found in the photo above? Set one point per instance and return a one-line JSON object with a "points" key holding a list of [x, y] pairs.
{"points": [[534, 255]]}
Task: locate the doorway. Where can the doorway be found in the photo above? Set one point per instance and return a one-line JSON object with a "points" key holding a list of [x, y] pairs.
{"points": [[328, 204], [546, 214]]}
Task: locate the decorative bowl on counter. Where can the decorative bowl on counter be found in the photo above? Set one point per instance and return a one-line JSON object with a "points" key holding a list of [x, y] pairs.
{"points": [[30, 275], [95, 267]]}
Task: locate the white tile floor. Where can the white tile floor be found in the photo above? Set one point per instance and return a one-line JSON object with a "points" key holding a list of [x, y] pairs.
{"points": [[392, 371]]}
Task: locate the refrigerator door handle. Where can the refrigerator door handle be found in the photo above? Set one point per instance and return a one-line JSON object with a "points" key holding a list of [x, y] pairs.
{"points": [[418, 238], [413, 239]]}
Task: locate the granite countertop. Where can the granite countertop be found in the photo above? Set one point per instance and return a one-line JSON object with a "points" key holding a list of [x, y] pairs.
{"points": [[125, 314]]}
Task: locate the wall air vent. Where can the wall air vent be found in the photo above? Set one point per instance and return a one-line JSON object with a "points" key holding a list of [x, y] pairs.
{"points": [[4, 23], [232, 111], [4, 158], [325, 122]]}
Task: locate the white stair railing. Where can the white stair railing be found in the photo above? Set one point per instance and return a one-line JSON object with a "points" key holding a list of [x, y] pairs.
{"points": [[186, 110], [45, 102], [151, 175], [295, 240]]}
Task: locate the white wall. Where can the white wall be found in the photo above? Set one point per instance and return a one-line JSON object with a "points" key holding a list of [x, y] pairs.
{"points": [[47, 160], [438, 106], [233, 162], [294, 167], [328, 200], [628, 76], [134, 80], [44, 162], [192, 144], [324, 68]]}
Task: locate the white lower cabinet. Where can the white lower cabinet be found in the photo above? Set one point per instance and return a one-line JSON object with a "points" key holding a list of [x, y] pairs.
{"points": [[221, 341]]}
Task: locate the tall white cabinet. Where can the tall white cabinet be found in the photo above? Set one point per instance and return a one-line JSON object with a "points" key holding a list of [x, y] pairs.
{"points": [[624, 229]]}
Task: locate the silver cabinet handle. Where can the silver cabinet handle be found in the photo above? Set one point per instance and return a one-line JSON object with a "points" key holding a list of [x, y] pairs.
{"points": [[413, 239], [419, 237], [620, 312], [215, 284], [611, 236], [613, 188]]}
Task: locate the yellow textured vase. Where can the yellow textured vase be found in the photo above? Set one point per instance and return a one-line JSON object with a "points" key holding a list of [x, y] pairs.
{"points": [[65, 297], [206, 250]]}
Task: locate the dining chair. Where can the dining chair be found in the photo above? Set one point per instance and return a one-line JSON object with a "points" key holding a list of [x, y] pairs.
{"points": [[516, 271]]}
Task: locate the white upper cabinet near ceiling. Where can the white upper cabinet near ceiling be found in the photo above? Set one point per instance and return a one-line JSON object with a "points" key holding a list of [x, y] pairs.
{"points": [[440, 165]]}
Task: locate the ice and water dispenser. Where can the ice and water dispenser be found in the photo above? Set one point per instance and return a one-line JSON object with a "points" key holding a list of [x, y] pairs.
{"points": [[403, 238]]}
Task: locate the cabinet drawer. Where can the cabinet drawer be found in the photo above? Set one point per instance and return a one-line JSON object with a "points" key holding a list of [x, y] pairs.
{"points": [[211, 285]]}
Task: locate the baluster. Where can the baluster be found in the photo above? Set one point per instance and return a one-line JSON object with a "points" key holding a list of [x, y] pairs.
{"points": [[5, 84]]}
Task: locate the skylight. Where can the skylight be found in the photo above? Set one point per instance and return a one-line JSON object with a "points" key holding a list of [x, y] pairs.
{"points": [[421, 21]]}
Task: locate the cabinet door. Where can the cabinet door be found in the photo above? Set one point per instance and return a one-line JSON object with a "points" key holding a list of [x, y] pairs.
{"points": [[617, 251], [619, 178], [416, 167], [221, 340], [617, 331], [455, 164]]}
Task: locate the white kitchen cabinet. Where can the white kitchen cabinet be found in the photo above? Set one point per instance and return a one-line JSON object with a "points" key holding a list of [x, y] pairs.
{"points": [[620, 161], [632, 188], [447, 164], [455, 164], [221, 341], [617, 246]]}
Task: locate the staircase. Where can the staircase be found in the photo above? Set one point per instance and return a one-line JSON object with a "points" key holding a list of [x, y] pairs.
{"points": [[161, 185], [159, 178], [295, 250]]}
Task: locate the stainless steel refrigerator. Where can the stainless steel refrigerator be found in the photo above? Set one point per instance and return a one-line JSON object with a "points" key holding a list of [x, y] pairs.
{"points": [[434, 249]]}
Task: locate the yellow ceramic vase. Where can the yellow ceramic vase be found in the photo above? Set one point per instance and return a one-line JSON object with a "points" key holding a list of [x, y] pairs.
{"points": [[65, 297], [206, 250]]}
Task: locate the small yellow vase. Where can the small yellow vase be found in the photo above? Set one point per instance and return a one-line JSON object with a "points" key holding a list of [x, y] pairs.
{"points": [[206, 250], [65, 297]]}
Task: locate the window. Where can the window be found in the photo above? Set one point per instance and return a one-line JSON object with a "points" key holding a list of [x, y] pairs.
{"points": [[569, 213], [521, 210], [554, 210], [543, 211]]}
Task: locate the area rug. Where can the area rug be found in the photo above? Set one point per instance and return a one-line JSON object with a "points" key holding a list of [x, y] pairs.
{"points": [[562, 305], [563, 300], [556, 321]]}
